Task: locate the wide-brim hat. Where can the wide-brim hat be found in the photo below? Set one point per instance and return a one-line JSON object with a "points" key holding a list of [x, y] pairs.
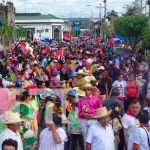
{"points": [[12, 118], [87, 86], [103, 112], [81, 72], [42, 96], [80, 92], [90, 78]]}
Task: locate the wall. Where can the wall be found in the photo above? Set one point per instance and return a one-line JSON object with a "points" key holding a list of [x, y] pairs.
{"points": [[43, 31]]}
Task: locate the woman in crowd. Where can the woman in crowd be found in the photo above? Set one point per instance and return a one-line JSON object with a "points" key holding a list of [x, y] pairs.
{"points": [[54, 136], [102, 86], [132, 90]]}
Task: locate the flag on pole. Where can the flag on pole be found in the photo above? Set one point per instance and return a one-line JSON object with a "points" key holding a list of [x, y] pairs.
{"points": [[21, 46]]}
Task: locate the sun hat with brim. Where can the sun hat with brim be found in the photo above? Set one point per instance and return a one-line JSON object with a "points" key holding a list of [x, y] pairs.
{"points": [[80, 93], [81, 72], [87, 86], [90, 78], [12, 118], [102, 112], [42, 96]]}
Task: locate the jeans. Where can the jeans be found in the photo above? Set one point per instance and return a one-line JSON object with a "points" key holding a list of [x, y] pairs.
{"points": [[85, 124]]}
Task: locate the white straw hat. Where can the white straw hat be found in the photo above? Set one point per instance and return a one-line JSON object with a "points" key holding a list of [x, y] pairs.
{"points": [[103, 112], [11, 118], [81, 72], [87, 86]]}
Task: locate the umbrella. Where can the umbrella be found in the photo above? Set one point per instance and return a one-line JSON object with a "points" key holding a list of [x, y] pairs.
{"points": [[98, 38], [67, 36], [86, 37], [117, 40]]}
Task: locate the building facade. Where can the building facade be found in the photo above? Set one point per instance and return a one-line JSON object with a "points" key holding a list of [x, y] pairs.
{"points": [[42, 26]]}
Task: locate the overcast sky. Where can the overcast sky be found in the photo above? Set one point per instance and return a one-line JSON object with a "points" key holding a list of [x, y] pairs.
{"points": [[68, 8]]}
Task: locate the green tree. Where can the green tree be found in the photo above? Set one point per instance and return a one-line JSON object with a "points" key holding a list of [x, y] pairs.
{"points": [[105, 30], [146, 38], [112, 14], [131, 10], [6, 32], [19, 32], [131, 27]]}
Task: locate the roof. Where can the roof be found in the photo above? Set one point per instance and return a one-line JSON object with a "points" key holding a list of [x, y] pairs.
{"points": [[34, 16]]}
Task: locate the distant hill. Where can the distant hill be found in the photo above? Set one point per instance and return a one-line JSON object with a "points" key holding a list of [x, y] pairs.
{"points": [[84, 22]]}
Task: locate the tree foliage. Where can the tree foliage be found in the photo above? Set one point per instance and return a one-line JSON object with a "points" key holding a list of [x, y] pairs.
{"points": [[6, 30], [131, 27], [105, 29], [112, 14], [146, 38], [20, 32], [131, 10]]}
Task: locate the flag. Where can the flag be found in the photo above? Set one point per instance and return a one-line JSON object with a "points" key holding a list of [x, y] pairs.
{"points": [[67, 36], [21, 46], [46, 49], [111, 41], [59, 53]]}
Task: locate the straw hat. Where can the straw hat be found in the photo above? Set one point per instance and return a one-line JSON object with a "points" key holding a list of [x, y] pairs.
{"points": [[90, 78], [87, 86], [81, 72], [12, 118], [42, 96], [80, 92], [102, 112]]}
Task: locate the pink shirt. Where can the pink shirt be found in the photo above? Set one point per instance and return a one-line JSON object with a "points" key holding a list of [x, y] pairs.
{"points": [[88, 105]]}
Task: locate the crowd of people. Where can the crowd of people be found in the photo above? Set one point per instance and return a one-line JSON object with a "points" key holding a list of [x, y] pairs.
{"points": [[74, 96]]}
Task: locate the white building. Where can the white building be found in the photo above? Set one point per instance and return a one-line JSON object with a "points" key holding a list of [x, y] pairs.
{"points": [[42, 26]]}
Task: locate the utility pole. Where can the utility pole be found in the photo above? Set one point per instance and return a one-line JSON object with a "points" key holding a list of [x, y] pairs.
{"points": [[105, 9], [141, 6], [100, 11]]}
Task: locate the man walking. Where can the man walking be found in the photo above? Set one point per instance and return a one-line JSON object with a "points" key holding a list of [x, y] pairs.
{"points": [[100, 135], [13, 121]]}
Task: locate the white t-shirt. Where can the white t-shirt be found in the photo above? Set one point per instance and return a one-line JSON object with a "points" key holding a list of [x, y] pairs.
{"points": [[100, 138], [121, 87], [8, 134], [140, 138], [47, 142], [130, 123]]}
